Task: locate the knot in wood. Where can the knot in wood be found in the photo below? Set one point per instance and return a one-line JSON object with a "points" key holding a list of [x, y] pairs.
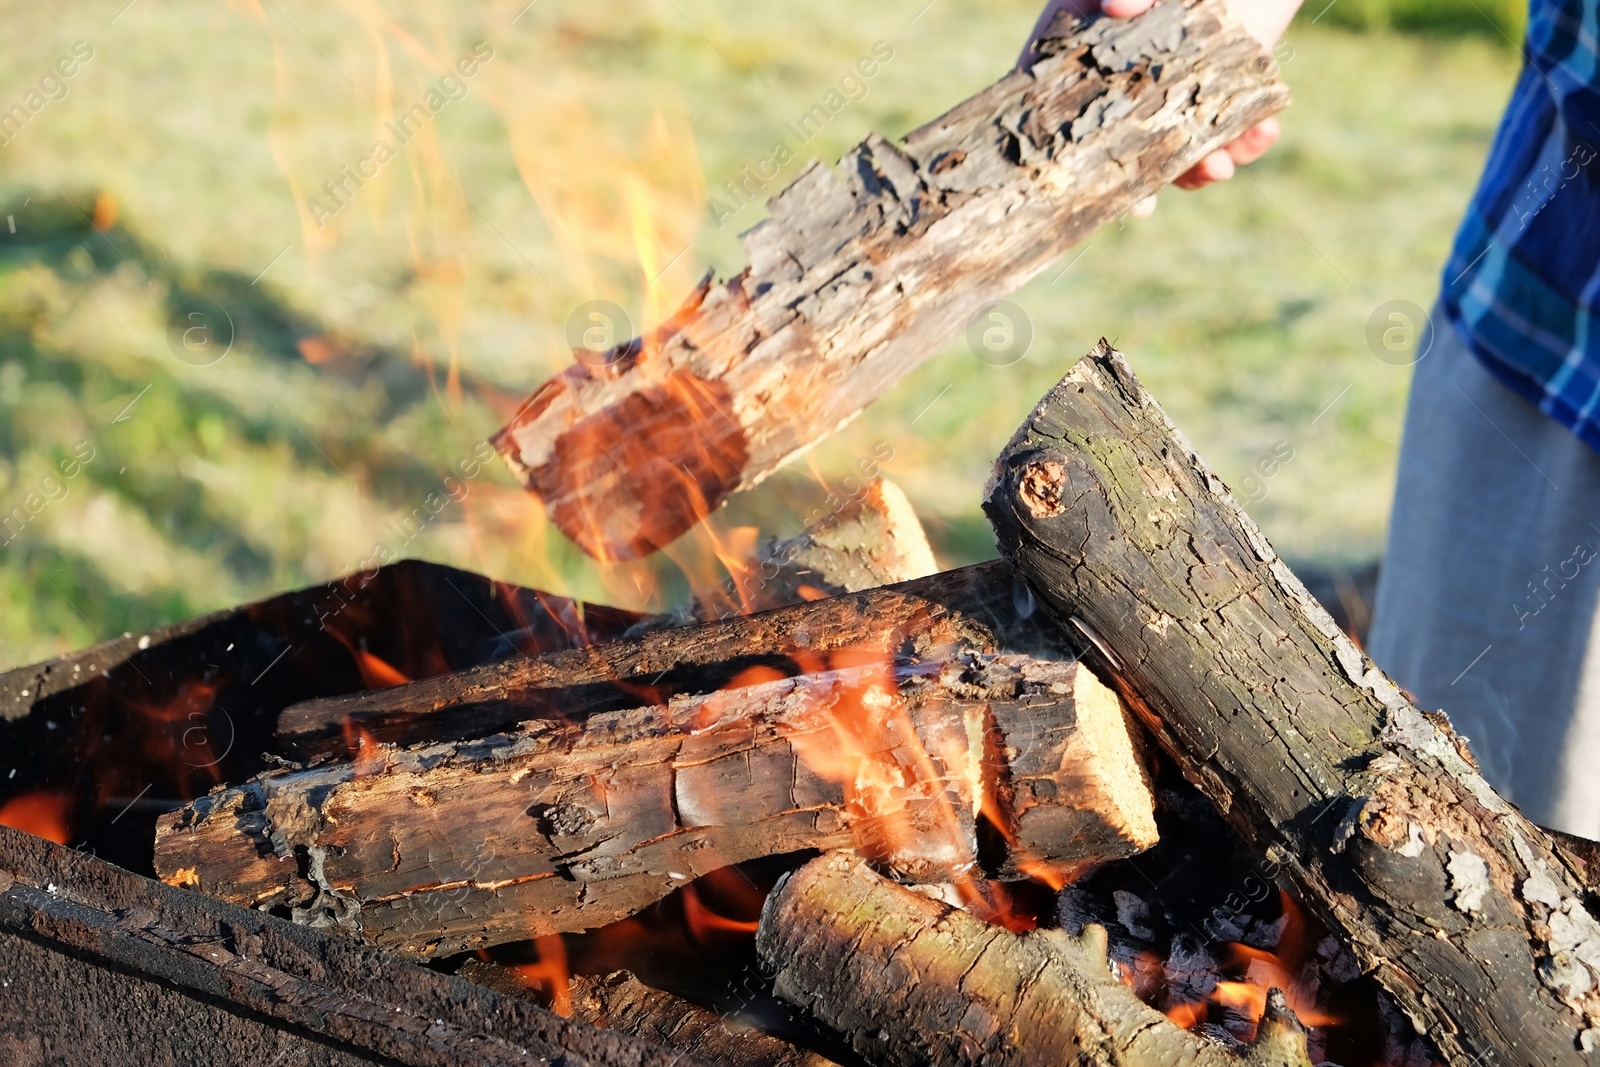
{"points": [[1040, 487]]}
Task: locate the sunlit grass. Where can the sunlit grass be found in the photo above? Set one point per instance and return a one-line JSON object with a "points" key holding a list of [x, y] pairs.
{"points": [[372, 356]]}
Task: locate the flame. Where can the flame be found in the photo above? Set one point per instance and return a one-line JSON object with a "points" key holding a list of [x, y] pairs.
{"points": [[105, 211], [703, 921], [1188, 1016], [1282, 969], [316, 350], [41, 813], [550, 975], [367, 752], [376, 672]]}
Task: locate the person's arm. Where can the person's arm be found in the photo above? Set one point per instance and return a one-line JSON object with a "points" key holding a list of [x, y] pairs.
{"points": [[1266, 19]]}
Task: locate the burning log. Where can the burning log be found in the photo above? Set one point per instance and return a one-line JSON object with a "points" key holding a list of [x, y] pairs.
{"points": [[558, 826], [100, 740], [981, 607], [865, 269], [1470, 916], [621, 1002], [913, 981], [873, 540]]}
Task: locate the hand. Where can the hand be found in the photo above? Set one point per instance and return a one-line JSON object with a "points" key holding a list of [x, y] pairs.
{"points": [[1265, 19]]}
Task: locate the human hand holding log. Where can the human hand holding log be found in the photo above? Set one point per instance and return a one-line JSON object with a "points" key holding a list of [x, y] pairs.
{"points": [[866, 269]]}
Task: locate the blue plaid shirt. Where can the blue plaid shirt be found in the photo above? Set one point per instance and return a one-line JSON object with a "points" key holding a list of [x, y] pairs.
{"points": [[1523, 281]]}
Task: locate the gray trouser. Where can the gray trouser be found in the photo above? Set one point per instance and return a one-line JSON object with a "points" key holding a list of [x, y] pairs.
{"points": [[1486, 601]]}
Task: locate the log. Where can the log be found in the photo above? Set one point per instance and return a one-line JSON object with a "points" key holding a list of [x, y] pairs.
{"points": [[866, 269], [561, 826], [103, 968], [912, 981], [873, 539], [145, 721], [1471, 917], [981, 607], [620, 1002]]}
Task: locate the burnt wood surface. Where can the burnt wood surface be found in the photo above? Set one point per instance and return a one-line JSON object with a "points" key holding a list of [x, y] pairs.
{"points": [[865, 269], [981, 607], [913, 981], [103, 968], [1471, 917], [619, 1001], [565, 826], [117, 733]]}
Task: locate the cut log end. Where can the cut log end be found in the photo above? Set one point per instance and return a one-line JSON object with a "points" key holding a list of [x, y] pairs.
{"points": [[565, 826], [1466, 913]]}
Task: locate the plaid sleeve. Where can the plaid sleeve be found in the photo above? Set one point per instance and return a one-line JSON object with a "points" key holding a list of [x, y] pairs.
{"points": [[1523, 278]]}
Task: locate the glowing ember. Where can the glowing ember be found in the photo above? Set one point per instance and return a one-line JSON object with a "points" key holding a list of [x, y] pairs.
{"points": [[42, 813]]}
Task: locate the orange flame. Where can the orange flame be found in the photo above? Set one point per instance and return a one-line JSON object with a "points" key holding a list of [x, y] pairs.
{"points": [[702, 920], [550, 975], [1282, 969], [41, 813]]}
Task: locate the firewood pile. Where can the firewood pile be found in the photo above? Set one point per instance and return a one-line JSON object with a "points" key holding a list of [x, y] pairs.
{"points": [[1125, 797]]}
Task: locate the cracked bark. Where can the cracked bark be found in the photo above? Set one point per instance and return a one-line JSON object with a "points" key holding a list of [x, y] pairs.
{"points": [[620, 1002], [981, 607], [561, 826], [1471, 917], [912, 981], [866, 269]]}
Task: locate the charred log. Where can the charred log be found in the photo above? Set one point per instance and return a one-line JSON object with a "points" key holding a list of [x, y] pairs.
{"points": [[913, 981], [561, 826], [865, 269], [1472, 918], [980, 607]]}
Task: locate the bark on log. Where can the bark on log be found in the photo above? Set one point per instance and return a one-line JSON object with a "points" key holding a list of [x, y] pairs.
{"points": [[866, 269], [912, 981], [561, 827], [1467, 913], [981, 607], [620, 1002], [99, 966], [873, 540]]}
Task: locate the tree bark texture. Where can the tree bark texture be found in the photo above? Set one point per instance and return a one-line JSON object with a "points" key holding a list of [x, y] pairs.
{"points": [[620, 1002], [1468, 914], [99, 965], [980, 607], [867, 268], [913, 981], [562, 826]]}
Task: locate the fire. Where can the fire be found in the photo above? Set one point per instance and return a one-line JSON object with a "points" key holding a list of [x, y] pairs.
{"points": [[367, 753], [1282, 969], [41, 813], [550, 974], [703, 921], [376, 672]]}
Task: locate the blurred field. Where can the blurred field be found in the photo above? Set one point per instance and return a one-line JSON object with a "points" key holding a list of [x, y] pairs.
{"points": [[371, 355]]}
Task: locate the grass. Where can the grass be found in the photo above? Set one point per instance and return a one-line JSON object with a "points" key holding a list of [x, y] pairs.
{"points": [[371, 356]]}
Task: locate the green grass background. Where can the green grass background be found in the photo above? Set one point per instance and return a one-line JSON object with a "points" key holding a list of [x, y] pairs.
{"points": [[441, 294]]}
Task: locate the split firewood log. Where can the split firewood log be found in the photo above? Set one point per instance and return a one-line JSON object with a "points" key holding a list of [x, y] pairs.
{"points": [[564, 826], [980, 607], [866, 269], [1476, 922], [619, 1001], [872, 539], [913, 981]]}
